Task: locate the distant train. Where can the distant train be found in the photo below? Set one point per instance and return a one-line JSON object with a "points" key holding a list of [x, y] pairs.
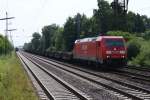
{"points": [[100, 50], [16, 49]]}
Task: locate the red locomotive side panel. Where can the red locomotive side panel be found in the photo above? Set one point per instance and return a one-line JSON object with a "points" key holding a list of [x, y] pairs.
{"points": [[85, 50], [91, 50]]}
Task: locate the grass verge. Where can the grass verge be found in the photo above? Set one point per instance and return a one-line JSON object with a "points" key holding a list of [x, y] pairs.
{"points": [[14, 83]]}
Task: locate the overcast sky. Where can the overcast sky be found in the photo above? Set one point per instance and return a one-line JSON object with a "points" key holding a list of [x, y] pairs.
{"points": [[32, 15]]}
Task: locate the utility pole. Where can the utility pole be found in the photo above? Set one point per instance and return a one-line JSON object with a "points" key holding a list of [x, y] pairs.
{"points": [[7, 18], [6, 25], [6, 33]]}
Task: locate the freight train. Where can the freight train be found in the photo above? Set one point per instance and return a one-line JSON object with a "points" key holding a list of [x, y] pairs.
{"points": [[105, 50]]}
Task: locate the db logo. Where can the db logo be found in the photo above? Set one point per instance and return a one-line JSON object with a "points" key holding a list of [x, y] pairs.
{"points": [[84, 47]]}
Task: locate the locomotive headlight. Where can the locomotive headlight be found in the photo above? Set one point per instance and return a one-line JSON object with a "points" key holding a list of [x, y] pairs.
{"points": [[108, 56], [108, 52], [122, 52]]}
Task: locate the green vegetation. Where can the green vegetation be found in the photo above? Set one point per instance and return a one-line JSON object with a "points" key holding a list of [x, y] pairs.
{"points": [[134, 27], [143, 57], [147, 35], [133, 48], [5, 45], [14, 84], [138, 48]]}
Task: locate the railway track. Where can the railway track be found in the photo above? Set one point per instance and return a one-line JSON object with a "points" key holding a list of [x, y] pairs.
{"points": [[139, 68], [140, 76], [137, 77], [137, 73], [40, 92], [133, 76], [129, 90], [53, 86]]}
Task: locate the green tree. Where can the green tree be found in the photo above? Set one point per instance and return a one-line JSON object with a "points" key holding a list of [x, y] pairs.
{"points": [[69, 34], [139, 24], [35, 42], [146, 21], [59, 40], [135, 23], [47, 33], [103, 16], [42, 45], [87, 27], [131, 22]]}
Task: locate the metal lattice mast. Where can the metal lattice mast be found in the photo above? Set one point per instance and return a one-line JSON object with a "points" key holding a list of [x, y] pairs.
{"points": [[124, 5], [120, 6]]}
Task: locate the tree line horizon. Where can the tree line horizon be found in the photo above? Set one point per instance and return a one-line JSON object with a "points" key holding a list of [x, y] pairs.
{"points": [[55, 38]]}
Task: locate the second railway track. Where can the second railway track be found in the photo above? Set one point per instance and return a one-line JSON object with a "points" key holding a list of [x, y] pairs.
{"points": [[123, 88], [134, 74]]}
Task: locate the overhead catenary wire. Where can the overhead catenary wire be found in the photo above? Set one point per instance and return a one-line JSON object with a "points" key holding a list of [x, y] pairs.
{"points": [[40, 12]]}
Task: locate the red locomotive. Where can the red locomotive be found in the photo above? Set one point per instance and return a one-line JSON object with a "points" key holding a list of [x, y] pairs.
{"points": [[101, 49]]}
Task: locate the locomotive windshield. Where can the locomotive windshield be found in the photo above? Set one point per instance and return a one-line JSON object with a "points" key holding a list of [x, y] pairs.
{"points": [[113, 42]]}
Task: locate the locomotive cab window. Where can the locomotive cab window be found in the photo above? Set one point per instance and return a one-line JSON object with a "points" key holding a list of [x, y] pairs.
{"points": [[113, 42]]}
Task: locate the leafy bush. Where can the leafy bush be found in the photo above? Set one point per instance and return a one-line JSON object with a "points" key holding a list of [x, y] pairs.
{"points": [[5, 45], [133, 48], [143, 58], [147, 35]]}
